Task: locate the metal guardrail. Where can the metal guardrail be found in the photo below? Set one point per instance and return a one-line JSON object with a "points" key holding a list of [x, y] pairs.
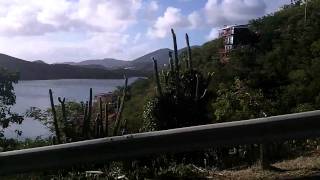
{"points": [[276, 128]]}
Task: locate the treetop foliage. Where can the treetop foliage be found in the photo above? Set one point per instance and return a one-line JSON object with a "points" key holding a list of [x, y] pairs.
{"points": [[7, 99]]}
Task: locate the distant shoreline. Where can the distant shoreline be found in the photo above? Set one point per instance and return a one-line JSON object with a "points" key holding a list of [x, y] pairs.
{"points": [[138, 77]]}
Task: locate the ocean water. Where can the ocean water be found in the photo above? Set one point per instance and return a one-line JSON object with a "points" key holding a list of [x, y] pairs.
{"points": [[36, 94]]}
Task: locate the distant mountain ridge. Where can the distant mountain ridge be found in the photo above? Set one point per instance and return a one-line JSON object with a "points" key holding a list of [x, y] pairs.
{"points": [[41, 71], [143, 63], [108, 63], [90, 69], [39, 61]]}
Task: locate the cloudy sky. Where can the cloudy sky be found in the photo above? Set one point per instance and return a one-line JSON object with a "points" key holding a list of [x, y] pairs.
{"points": [[75, 30]]}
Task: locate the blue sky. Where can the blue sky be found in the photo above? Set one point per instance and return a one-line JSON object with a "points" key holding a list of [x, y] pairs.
{"points": [[75, 30]]}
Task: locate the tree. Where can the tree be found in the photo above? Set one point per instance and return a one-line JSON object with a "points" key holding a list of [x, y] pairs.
{"points": [[7, 100], [239, 102]]}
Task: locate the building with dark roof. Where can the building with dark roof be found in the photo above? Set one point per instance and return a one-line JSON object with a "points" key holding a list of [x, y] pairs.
{"points": [[234, 36]]}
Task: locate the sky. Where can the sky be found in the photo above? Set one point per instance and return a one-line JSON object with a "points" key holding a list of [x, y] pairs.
{"points": [[74, 30]]}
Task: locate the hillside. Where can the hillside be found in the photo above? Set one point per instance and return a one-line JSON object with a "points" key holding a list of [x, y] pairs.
{"points": [[41, 71], [39, 61], [106, 63], [143, 63], [280, 72]]}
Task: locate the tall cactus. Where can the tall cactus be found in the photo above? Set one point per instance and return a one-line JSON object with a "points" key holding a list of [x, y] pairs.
{"points": [[90, 105], [63, 108], [87, 120], [120, 110], [64, 117], [101, 115], [55, 119], [175, 47], [176, 58], [189, 63], [171, 63], [97, 126], [156, 76], [124, 127], [118, 103], [197, 88], [85, 117], [185, 87], [82, 105], [106, 116]]}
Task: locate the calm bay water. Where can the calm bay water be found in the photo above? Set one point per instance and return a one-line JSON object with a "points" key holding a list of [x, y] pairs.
{"points": [[36, 94]]}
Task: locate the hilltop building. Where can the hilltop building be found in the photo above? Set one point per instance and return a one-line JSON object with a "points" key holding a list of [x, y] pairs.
{"points": [[234, 36]]}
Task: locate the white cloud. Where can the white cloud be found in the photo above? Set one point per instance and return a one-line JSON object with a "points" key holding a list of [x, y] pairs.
{"points": [[213, 34], [275, 5], [112, 15], [136, 38], [150, 10], [153, 6], [37, 17], [172, 18], [195, 20], [224, 12]]}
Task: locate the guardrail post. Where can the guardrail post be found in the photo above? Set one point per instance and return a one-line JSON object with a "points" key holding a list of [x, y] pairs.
{"points": [[264, 161]]}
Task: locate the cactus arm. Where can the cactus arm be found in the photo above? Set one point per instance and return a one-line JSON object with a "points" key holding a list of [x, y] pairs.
{"points": [[176, 61], [204, 94], [156, 75], [55, 120], [101, 115], [82, 105], [63, 108], [86, 123], [124, 127], [64, 116], [106, 119], [197, 88], [175, 47], [98, 126], [85, 118], [171, 63], [118, 103], [118, 118], [210, 75], [189, 52], [90, 105], [89, 112]]}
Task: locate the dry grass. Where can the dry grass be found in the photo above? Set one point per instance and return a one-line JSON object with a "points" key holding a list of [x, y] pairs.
{"points": [[305, 167]]}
